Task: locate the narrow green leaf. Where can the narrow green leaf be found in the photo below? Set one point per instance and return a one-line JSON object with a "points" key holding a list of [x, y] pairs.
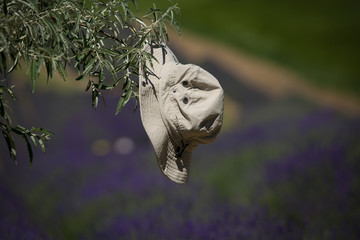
{"points": [[76, 26], [120, 21], [17, 130], [49, 70], [58, 21], [124, 9], [40, 64], [61, 70], [2, 108], [42, 144], [50, 24], [101, 78], [88, 67], [53, 65], [48, 51], [109, 51], [95, 98], [103, 99], [44, 131], [136, 6], [3, 62], [26, 60], [29, 148], [136, 103], [80, 77], [21, 128], [33, 139], [14, 64], [7, 118], [11, 145], [123, 99], [11, 94], [88, 85], [120, 67], [110, 67]]}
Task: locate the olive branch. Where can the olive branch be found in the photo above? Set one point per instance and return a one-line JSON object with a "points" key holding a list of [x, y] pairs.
{"points": [[103, 40]]}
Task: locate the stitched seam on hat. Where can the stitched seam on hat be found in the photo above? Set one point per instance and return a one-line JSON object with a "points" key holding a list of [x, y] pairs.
{"points": [[196, 78], [174, 106]]}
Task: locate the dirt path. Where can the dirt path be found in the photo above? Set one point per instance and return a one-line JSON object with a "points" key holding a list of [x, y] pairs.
{"points": [[272, 80]]}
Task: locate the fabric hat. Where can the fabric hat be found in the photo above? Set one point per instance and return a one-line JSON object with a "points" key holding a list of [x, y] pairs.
{"points": [[181, 106]]}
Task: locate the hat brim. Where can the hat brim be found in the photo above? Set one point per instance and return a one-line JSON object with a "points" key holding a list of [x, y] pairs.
{"points": [[175, 168]]}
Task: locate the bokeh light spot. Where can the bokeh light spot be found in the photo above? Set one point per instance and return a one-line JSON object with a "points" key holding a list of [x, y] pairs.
{"points": [[100, 147], [124, 145]]}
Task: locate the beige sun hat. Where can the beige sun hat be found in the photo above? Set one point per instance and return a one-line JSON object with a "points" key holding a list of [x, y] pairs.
{"points": [[181, 106]]}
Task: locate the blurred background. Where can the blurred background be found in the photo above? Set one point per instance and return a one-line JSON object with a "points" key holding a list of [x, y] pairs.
{"points": [[285, 166]]}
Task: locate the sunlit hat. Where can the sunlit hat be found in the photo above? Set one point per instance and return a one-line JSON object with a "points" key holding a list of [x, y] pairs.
{"points": [[181, 106]]}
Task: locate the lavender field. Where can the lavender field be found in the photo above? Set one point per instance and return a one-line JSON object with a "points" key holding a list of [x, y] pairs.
{"points": [[285, 169]]}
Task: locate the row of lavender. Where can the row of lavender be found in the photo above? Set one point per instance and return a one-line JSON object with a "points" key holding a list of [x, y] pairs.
{"points": [[288, 171]]}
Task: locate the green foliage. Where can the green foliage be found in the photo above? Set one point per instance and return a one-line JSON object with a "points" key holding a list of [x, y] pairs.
{"points": [[103, 40], [318, 39], [34, 135]]}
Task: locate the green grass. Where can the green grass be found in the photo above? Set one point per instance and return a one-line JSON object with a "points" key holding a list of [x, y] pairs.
{"points": [[318, 39]]}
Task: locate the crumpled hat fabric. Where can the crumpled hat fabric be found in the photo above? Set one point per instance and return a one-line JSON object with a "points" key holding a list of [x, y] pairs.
{"points": [[181, 106]]}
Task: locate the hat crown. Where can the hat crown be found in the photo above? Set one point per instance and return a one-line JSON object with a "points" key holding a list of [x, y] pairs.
{"points": [[191, 102]]}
